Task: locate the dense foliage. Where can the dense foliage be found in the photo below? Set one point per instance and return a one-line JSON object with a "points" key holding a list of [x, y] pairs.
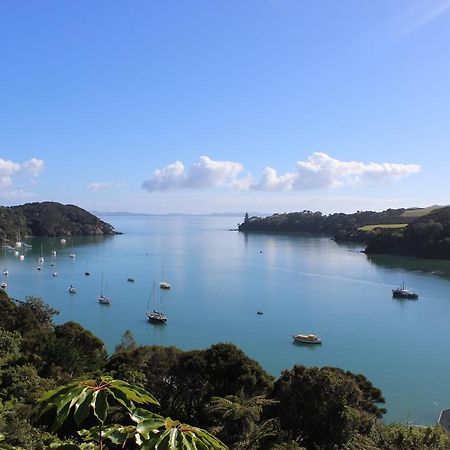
{"points": [[59, 389], [338, 224], [49, 219], [425, 236]]}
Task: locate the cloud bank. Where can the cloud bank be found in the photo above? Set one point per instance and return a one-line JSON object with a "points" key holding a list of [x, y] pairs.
{"points": [[318, 171], [9, 169], [207, 173]]}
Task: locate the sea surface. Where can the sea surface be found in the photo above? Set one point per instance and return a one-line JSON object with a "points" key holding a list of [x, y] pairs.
{"points": [[220, 278]]}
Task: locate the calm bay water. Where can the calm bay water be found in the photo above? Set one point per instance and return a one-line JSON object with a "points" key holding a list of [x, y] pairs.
{"points": [[221, 278]]}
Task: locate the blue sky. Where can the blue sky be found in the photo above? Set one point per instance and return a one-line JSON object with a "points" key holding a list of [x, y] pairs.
{"points": [[211, 106]]}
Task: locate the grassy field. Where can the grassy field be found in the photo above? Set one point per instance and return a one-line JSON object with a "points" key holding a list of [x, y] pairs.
{"points": [[385, 225], [420, 212]]}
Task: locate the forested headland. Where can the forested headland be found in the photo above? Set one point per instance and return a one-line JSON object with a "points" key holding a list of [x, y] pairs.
{"points": [[49, 219], [127, 397], [419, 232]]}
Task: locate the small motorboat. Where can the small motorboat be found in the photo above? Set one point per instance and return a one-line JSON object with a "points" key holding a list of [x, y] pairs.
{"points": [[130, 279], [87, 273], [307, 338], [72, 289], [4, 285], [55, 274], [260, 313], [164, 285]]}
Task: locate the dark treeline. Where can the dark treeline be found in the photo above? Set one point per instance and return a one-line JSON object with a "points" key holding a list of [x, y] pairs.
{"points": [[219, 389], [316, 222], [49, 219], [424, 237]]}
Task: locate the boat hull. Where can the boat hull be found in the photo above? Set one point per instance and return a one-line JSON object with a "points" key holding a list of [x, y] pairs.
{"points": [[304, 339]]}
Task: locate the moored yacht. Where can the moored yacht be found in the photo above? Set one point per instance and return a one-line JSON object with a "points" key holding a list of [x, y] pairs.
{"points": [[402, 292], [307, 338]]}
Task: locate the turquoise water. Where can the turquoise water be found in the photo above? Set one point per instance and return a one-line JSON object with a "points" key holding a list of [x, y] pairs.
{"points": [[221, 278]]}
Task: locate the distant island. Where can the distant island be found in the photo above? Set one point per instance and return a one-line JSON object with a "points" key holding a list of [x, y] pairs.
{"points": [[418, 232], [50, 219]]}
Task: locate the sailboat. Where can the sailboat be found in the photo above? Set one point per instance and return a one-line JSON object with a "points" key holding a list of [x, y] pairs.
{"points": [[103, 300], [41, 258], [72, 254], [155, 316], [164, 284], [19, 241], [72, 288], [4, 284]]}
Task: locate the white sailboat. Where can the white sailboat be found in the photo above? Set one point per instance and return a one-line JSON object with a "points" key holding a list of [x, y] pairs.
{"points": [[19, 241], [41, 257], [72, 288], [72, 255], [155, 316], [102, 299], [164, 284]]}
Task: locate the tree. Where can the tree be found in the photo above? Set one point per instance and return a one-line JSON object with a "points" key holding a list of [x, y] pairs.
{"points": [[324, 406], [76, 350], [240, 420], [127, 342], [93, 398], [44, 313]]}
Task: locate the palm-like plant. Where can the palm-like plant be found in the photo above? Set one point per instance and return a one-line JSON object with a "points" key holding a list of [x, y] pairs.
{"points": [[84, 399], [241, 419]]}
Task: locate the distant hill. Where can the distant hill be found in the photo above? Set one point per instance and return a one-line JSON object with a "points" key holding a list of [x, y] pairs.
{"points": [[420, 232], [427, 237], [50, 219]]}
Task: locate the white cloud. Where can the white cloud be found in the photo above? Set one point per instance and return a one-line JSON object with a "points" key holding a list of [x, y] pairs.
{"points": [[7, 170], [321, 171], [10, 169], [34, 166], [96, 186], [206, 173], [271, 181], [168, 179], [318, 171]]}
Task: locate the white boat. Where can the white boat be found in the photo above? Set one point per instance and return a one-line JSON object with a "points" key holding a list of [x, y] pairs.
{"points": [[21, 257], [102, 299], [41, 258], [155, 316], [18, 243], [72, 289], [4, 285], [164, 284], [53, 252], [5, 273], [63, 241], [55, 274], [307, 338]]}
